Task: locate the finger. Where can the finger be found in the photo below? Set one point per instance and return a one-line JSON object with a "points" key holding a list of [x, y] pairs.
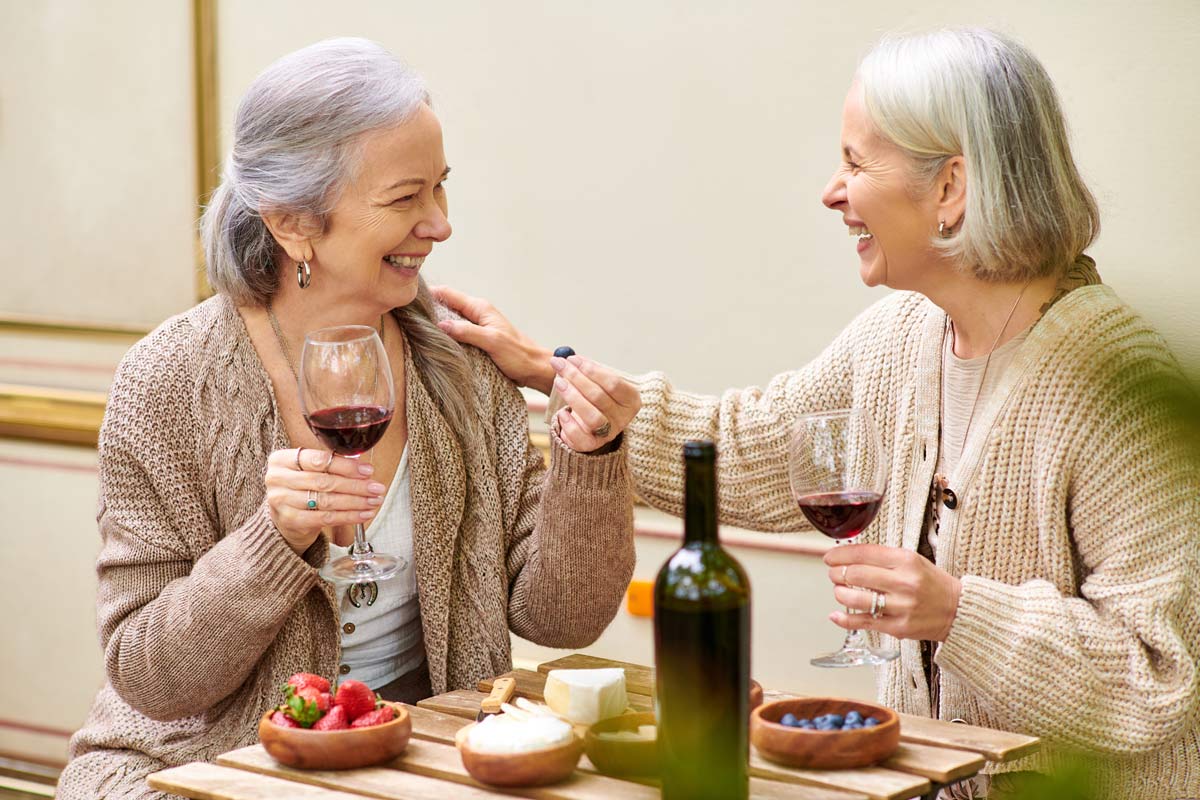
{"points": [[465, 332], [875, 554], [865, 622], [866, 576], [574, 435], [313, 459], [332, 501], [581, 407], [342, 535], [585, 387], [620, 390], [473, 308], [331, 484], [851, 597], [291, 518]]}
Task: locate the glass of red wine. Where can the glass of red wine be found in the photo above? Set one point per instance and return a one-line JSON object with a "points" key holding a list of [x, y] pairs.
{"points": [[347, 396], [837, 476]]}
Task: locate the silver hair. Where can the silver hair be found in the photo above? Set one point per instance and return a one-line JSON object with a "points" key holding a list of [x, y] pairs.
{"points": [[977, 93], [296, 144]]}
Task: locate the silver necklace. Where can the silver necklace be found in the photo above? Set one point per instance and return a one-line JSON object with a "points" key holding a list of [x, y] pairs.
{"points": [[941, 493], [356, 593]]}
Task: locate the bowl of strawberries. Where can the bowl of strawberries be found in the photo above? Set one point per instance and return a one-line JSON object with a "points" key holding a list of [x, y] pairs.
{"points": [[319, 727]]}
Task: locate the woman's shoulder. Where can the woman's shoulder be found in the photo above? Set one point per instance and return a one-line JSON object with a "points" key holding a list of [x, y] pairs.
{"points": [[1092, 328]]}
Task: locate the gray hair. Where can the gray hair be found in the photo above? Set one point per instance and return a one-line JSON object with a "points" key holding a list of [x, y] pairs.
{"points": [[296, 144], [977, 93]]}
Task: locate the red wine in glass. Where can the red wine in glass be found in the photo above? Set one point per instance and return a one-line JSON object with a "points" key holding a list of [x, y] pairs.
{"points": [[837, 474], [350, 430], [841, 515]]}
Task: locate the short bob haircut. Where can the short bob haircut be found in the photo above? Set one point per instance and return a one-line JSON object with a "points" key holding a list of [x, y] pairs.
{"points": [[976, 93]]}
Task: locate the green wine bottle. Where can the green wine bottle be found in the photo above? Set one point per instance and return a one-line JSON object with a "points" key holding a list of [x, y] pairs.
{"points": [[702, 651]]}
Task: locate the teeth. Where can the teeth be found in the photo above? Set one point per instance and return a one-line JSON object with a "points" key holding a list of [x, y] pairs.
{"points": [[405, 261], [861, 232]]}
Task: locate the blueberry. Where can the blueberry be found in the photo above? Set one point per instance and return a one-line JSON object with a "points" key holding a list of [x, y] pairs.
{"points": [[837, 720], [789, 719], [854, 716], [564, 351], [870, 722], [807, 724], [852, 726]]}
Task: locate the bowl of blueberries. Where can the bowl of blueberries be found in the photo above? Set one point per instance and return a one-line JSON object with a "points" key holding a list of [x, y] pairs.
{"points": [[824, 732]]}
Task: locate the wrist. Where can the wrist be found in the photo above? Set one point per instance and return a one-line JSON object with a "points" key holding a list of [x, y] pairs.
{"points": [[955, 596], [540, 373]]}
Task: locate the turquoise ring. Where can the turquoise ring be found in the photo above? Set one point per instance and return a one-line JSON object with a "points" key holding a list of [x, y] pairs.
{"points": [[312, 501]]}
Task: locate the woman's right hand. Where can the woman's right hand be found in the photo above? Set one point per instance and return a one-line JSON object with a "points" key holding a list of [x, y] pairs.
{"points": [[521, 359], [344, 493]]}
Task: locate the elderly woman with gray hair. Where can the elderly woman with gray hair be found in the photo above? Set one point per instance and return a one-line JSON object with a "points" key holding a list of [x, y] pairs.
{"points": [[1036, 555], [209, 600]]}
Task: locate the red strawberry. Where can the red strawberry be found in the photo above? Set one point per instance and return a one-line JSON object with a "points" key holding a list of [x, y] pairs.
{"points": [[335, 720], [283, 720], [304, 679], [377, 717], [323, 699], [356, 696]]}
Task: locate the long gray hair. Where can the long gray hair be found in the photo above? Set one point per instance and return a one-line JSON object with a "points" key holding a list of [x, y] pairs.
{"points": [[296, 144]]}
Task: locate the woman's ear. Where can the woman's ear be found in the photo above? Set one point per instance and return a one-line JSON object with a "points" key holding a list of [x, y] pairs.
{"points": [[293, 232], [952, 192]]}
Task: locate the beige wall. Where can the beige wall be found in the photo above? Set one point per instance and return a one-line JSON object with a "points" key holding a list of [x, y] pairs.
{"points": [[641, 179]]}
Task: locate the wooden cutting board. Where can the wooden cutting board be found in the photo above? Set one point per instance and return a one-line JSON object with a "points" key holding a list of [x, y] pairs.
{"points": [[993, 745], [533, 686], [205, 781]]}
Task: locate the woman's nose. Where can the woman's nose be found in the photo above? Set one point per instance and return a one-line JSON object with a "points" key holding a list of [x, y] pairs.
{"points": [[435, 225], [834, 192]]}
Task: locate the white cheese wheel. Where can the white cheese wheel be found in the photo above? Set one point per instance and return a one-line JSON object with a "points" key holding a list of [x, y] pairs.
{"points": [[502, 734], [586, 696]]}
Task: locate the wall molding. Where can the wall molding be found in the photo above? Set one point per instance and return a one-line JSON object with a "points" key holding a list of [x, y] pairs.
{"points": [[61, 416]]}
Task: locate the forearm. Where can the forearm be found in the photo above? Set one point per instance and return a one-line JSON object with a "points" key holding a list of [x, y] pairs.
{"points": [[179, 637], [572, 570]]}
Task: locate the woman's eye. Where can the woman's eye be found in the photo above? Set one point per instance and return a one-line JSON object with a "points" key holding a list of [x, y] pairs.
{"points": [[408, 198]]}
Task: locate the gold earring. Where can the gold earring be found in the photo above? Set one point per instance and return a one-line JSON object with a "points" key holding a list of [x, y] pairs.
{"points": [[303, 274], [942, 228]]}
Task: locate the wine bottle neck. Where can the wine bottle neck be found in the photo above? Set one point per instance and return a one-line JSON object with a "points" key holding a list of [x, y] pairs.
{"points": [[700, 499]]}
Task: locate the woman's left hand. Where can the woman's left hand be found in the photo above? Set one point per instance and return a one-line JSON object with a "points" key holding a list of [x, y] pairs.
{"points": [[600, 403], [920, 599]]}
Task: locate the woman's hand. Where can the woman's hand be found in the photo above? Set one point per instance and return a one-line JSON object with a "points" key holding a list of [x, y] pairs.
{"points": [[341, 488], [518, 357], [920, 600], [600, 403]]}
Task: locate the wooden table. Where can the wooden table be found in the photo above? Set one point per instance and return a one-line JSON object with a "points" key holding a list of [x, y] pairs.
{"points": [[931, 754]]}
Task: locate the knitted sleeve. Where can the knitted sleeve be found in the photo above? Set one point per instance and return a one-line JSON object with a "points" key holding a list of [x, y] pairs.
{"points": [[751, 427], [184, 609], [569, 530], [1117, 668]]}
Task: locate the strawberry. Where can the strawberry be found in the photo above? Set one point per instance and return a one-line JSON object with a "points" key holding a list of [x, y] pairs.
{"points": [[283, 720], [300, 709], [335, 720], [356, 696], [323, 699], [303, 679], [377, 717]]}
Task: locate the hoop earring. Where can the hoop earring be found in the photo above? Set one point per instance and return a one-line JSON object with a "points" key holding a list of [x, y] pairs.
{"points": [[942, 228], [303, 274]]}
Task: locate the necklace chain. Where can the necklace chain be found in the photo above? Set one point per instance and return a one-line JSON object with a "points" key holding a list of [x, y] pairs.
{"points": [[283, 345]]}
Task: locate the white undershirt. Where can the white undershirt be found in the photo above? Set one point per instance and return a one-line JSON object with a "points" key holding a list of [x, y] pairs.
{"points": [[387, 638]]}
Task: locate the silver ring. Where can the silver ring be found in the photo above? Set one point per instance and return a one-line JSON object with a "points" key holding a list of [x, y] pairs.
{"points": [[874, 605], [882, 602], [311, 505], [603, 430], [299, 450]]}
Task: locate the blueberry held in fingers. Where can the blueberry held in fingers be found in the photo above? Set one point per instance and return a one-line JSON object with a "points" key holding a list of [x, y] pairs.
{"points": [[563, 351]]}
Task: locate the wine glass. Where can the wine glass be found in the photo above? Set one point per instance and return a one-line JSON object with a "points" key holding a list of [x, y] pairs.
{"points": [[348, 399], [836, 473]]}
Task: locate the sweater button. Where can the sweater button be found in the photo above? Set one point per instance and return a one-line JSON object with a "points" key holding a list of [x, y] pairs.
{"points": [[344, 669], [348, 627]]}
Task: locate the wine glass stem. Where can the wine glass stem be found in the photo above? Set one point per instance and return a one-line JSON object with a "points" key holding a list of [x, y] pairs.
{"points": [[361, 550], [855, 640]]}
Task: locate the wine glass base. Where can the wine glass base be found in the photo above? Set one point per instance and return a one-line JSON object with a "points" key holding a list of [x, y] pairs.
{"points": [[375, 567], [856, 657]]}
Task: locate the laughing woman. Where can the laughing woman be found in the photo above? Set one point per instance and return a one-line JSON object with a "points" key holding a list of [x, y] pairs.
{"points": [[209, 599], [1037, 551]]}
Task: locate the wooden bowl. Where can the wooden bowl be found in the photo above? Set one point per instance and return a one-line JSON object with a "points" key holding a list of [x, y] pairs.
{"points": [[534, 768], [616, 757], [346, 749], [756, 694], [801, 747]]}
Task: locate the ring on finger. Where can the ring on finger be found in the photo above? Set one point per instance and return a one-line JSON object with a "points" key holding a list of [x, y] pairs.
{"points": [[311, 505], [603, 430], [877, 603], [844, 570], [299, 466]]}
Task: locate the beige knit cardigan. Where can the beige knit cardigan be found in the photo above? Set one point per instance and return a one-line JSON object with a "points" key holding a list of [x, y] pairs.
{"points": [[204, 610], [1078, 531]]}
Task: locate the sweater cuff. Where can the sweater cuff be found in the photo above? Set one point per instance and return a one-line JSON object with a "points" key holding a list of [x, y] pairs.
{"points": [[986, 629], [266, 559], [597, 470]]}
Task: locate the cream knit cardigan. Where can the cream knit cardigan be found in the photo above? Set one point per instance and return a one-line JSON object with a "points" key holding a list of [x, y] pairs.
{"points": [[1078, 533], [203, 609]]}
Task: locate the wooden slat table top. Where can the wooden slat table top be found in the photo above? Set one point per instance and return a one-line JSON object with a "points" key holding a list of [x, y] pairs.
{"points": [[931, 753], [993, 745]]}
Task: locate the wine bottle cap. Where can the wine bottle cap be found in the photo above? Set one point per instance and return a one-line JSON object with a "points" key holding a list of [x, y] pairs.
{"points": [[699, 448], [563, 352]]}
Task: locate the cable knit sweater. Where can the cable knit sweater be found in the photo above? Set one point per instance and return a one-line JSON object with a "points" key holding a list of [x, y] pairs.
{"points": [[1078, 531], [204, 610]]}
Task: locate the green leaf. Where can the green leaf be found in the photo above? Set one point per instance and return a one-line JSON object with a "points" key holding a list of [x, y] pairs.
{"points": [[305, 712]]}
